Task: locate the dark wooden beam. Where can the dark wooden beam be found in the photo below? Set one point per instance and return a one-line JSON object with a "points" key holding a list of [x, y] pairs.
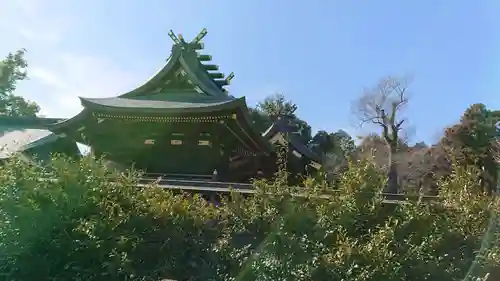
{"points": [[212, 67], [216, 75], [204, 57]]}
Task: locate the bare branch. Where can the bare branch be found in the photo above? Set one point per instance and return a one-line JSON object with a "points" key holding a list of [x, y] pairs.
{"points": [[400, 123], [382, 105], [374, 120]]}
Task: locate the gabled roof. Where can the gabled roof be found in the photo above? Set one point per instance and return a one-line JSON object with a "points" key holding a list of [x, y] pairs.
{"points": [[185, 64], [15, 141], [18, 134], [281, 131], [185, 85]]}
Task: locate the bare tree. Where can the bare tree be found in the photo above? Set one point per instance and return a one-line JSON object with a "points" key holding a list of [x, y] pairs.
{"points": [[381, 106]]}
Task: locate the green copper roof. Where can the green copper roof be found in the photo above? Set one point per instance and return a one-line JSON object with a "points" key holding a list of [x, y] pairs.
{"points": [[19, 134], [17, 140], [185, 72], [281, 128], [161, 106], [185, 85]]}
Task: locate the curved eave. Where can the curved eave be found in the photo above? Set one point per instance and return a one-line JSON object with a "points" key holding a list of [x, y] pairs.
{"points": [[271, 131], [14, 141], [40, 142], [303, 149], [71, 122], [158, 107], [158, 76], [280, 127], [263, 143], [57, 142], [298, 146]]}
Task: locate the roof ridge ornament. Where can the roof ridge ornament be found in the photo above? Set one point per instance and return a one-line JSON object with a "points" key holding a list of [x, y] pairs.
{"points": [[191, 47], [173, 37], [195, 44], [229, 78], [180, 39], [200, 36]]}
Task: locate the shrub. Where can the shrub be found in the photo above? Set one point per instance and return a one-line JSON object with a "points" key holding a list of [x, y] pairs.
{"points": [[85, 226]]}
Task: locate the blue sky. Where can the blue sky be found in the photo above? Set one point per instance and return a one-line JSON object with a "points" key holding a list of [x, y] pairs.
{"points": [[319, 53]]}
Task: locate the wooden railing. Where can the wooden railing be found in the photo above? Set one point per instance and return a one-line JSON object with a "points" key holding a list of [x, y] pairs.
{"points": [[245, 188]]}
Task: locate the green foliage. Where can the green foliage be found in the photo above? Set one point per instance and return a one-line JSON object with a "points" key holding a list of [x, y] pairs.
{"points": [[472, 142], [13, 70], [84, 226], [345, 143], [339, 144], [275, 106], [261, 120]]}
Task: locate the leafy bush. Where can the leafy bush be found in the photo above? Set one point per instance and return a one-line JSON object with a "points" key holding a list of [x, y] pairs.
{"points": [[86, 227]]}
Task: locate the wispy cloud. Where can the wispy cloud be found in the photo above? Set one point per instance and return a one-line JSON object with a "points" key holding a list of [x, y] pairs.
{"points": [[27, 7], [72, 75], [48, 37], [59, 72]]}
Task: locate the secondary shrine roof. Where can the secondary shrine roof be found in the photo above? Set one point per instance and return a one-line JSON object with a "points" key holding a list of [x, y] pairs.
{"points": [[15, 141], [281, 127], [18, 134]]}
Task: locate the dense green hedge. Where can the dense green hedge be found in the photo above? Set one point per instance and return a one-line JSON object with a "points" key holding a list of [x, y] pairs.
{"points": [[83, 227]]}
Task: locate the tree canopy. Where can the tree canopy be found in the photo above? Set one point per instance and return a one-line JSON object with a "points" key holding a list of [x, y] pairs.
{"points": [[277, 106], [13, 69], [472, 142]]}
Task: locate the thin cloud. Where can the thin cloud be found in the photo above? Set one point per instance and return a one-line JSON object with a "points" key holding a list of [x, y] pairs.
{"points": [[72, 76], [27, 7], [49, 78], [58, 74], [46, 36]]}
